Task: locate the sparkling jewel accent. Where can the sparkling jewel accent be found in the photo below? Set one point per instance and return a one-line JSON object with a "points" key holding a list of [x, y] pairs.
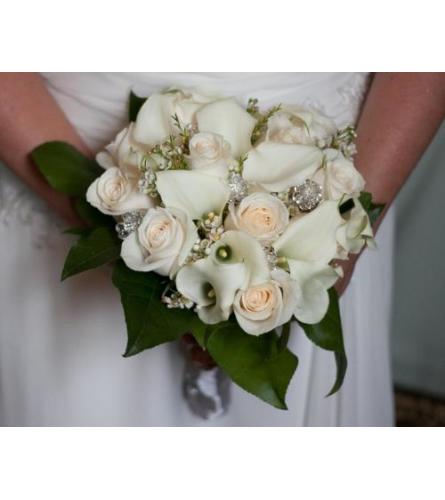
{"points": [[306, 196], [147, 183], [271, 256], [130, 221], [238, 187], [177, 301]]}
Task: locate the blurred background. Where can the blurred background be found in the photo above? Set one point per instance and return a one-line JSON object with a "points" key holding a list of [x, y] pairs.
{"points": [[418, 341]]}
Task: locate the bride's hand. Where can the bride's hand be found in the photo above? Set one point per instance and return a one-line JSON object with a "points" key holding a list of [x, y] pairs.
{"points": [[30, 116], [348, 268]]}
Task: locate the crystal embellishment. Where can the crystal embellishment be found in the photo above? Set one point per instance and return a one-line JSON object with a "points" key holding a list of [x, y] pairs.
{"points": [[271, 256], [237, 186], [306, 196], [130, 221]]}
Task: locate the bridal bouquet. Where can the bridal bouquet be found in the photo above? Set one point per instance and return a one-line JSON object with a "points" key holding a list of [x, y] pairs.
{"points": [[223, 221]]}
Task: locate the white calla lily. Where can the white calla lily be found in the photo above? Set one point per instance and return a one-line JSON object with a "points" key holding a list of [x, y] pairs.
{"points": [[277, 167], [191, 191], [228, 119], [312, 237], [239, 247], [357, 231], [212, 286], [154, 122], [314, 280]]}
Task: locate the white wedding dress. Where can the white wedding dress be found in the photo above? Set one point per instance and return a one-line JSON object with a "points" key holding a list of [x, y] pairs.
{"points": [[61, 343]]}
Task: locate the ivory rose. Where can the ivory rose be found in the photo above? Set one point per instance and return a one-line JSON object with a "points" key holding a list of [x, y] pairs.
{"points": [[294, 125], [161, 243], [261, 215], [115, 193], [209, 153], [339, 177], [123, 152], [262, 307]]}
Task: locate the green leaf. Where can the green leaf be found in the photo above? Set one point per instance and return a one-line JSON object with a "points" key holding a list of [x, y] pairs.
{"points": [[149, 321], [341, 363], [65, 168], [98, 247], [91, 215], [77, 231], [373, 210], [134, 105], [328, 334], [258, 364]]}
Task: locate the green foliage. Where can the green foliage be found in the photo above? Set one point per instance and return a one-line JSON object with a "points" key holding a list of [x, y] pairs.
{"points": [[258, 364], [262, 119], [328, 334], [373, 210], [91, 215], [99, 246], [134, 105], [65, 168], [149, 322]]}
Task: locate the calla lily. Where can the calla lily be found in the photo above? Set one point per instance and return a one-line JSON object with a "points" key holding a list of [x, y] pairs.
{"points": [[154, 122], [239, 247], [193, 192], [277, 167], [357, 231], [314, 281], [212, 286], [236, 262], [312, 237], [227, 118], [309, 244]]}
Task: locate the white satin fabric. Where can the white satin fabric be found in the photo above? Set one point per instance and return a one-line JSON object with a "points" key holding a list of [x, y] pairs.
{"points": [[61, 343]]}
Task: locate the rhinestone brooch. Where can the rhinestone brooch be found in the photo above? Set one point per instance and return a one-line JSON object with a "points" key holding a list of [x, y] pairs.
{"points": [[238, 187], [306, 196], [130, 221]]}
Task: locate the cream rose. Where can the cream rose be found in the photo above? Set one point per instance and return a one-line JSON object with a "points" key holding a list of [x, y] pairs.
{"points": [[293, 125], [161, 243], [209, 153], [263, 307], [123, 152], [261, 215], [115, 193], [339, 176]]}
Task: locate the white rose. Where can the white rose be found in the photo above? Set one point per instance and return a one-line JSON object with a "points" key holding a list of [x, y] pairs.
{"points": [[123, 152], [161, 243], [294, 125], [209, 153], [339, 177], [263, 307], [261, 215], [115, 193]]}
